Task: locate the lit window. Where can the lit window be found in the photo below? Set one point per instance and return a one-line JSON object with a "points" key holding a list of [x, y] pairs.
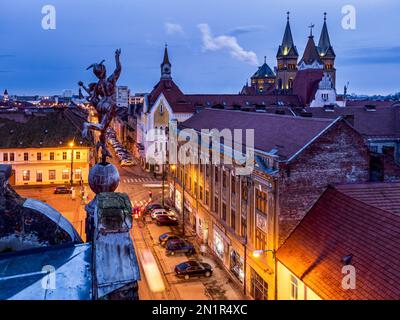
{"points": [[293, 287], [78, 174], [26, 175], [52, 174], [78, 155], [65, 174]]}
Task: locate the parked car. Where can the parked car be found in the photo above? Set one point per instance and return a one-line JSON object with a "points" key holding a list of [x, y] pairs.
{"points": [[165, 237], [180, 246], [62, 190], [193, 269], [151, 206], [161, 212], [166, 220], [156, 212], [127, 163]]}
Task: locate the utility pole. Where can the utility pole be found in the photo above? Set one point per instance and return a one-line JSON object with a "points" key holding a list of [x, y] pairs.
{"points": [[72, 163], [183, 200], [163, 183]]}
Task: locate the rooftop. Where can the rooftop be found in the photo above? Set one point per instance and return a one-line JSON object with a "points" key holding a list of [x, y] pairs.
{"points": [[40, 129], [287, 134], [344, 222]]}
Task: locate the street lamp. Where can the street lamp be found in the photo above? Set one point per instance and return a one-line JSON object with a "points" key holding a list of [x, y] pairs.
{"points": [[71, 144], [258, 253]]}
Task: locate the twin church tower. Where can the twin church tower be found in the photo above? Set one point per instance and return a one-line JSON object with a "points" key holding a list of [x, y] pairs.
{"points": [[321, 57]]}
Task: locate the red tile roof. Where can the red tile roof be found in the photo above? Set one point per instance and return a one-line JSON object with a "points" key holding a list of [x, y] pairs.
{"points": [[340, 224], [384, 122], [232, 100], [385, 196], [306, 83], [174, 96], [287, 134]]}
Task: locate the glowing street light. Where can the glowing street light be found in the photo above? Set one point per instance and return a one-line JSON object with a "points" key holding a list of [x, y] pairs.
{"points": [[258, 253]]}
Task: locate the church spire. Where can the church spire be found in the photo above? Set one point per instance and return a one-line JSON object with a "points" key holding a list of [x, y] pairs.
{"points": [[287, 47], [166, 65], [311, 54], [324, 45]]}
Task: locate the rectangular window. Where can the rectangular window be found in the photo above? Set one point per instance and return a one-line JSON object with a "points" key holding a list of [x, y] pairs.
{"points": [[26, 156], [244, 191], [39, 176], [78, 174], [65, 174], [201, 193], [224, 212], [12, 156], [39, 156], [26, 175], [216, 175], [233, 185], [195, 188], [258, 287], [52, 174], [51, 155], [216, 204], [261, 201], [207, 199], [224, 178], [78, 155], [243, 227], [261, 240], [64, 155], [233, 219], [293, 287], [5, 157]]}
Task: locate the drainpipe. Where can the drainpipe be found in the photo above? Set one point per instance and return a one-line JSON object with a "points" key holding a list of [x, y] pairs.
{"points": [[275, 239]]}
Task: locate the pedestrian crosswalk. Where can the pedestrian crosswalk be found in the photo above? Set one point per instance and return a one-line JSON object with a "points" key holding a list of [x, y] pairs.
{"points": [[140, 180]]}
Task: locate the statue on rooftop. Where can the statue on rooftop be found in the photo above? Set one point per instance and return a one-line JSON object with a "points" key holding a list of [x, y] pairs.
{"points": [[102, 96]]}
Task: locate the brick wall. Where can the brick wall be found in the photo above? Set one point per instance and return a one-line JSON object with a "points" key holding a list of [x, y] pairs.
{"points": [[339, 156]]}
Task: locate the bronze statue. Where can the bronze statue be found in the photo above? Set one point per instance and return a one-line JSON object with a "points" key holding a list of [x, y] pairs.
{"points": [[102, 96]]}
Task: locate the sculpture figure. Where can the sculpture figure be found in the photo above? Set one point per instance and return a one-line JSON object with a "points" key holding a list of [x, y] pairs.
{"points": [[102, 96]]}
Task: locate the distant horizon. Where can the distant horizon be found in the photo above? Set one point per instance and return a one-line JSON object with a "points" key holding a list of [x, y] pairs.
{"points": [[211, 51]]}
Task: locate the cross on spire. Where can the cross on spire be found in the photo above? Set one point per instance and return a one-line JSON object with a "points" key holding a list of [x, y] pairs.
{"points": [[311, 26], [325, 16]]}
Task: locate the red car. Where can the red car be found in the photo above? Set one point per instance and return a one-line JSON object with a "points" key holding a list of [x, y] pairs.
{"points": [[165, 220]]}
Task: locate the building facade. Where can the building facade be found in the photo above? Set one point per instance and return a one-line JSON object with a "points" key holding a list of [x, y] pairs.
{"points": [[44, 147], [236, 216]]}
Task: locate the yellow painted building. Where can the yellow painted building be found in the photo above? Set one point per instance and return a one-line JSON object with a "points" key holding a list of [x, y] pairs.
{"points": [[292, 288], [45, 146]]}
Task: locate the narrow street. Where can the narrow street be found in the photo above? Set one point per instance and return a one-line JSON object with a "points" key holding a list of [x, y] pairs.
{"points": [[137, 184]]}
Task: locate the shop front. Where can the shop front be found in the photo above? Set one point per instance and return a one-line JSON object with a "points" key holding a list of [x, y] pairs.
{"points": [[221, 244], [202, 228], [237, 265], [178, 200]]}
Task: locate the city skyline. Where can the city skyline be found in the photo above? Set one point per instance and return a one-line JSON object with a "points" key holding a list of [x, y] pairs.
{"points": [[229, 43]]}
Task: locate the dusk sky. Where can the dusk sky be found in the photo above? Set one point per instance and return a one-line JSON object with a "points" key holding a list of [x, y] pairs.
{"points": [[214, 45]]}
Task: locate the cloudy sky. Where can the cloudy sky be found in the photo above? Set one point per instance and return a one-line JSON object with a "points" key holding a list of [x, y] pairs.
{"points": [[215, 45]]}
